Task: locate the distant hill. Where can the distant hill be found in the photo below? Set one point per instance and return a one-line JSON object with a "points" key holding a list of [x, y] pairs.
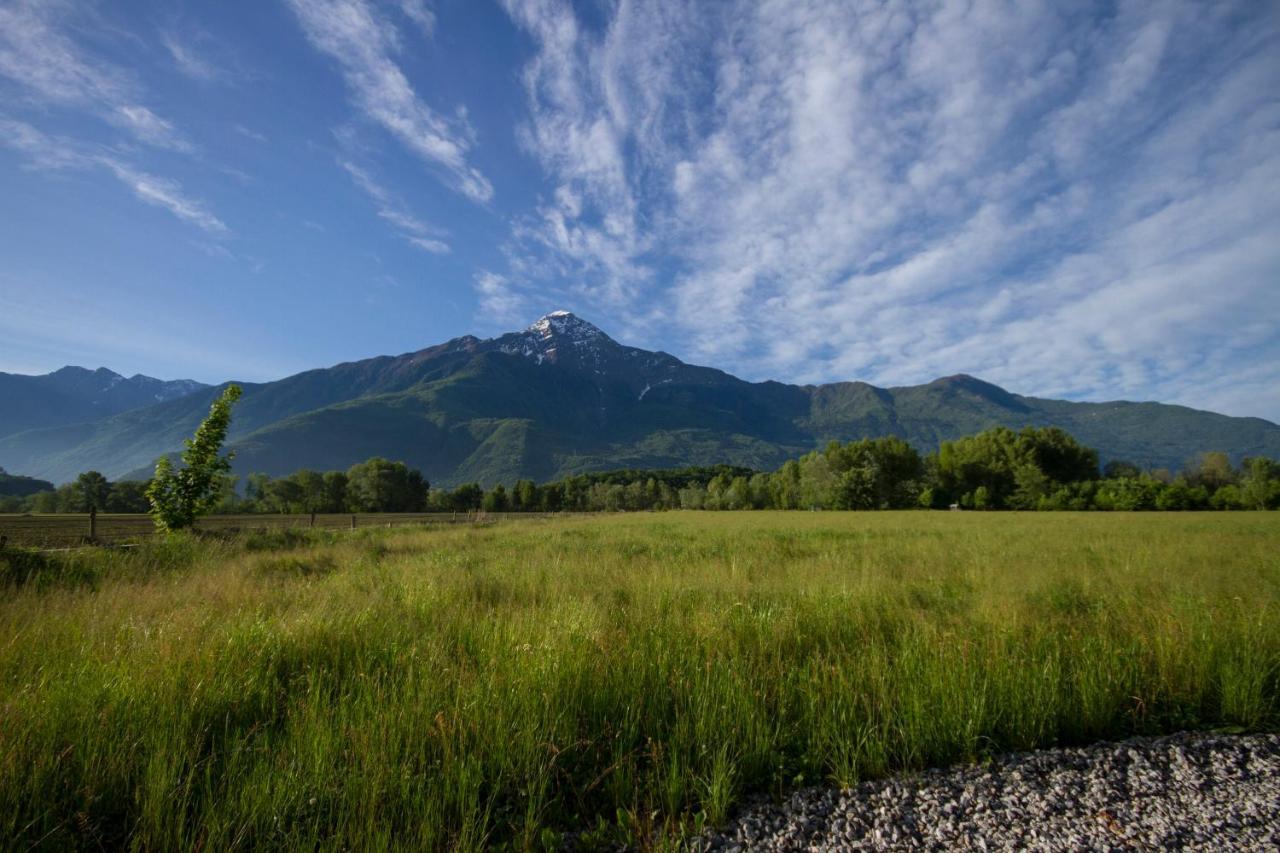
{"points": [[562, 397], [18, 486], [75, 394]]}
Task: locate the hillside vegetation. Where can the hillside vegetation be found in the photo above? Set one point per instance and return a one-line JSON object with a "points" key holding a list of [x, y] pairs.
{"points": [[16, 486], [630, 675], [1035, 469], [75, 395], [562, 398]]}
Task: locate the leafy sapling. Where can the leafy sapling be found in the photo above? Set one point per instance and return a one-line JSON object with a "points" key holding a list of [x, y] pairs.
{"points": [[179, 496]]}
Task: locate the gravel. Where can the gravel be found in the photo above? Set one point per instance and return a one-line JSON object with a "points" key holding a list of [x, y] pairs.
{"points": [[1187, 791]]}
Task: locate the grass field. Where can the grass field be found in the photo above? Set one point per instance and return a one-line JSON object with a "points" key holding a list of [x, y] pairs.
{"points": [[54, 530], [627, 676]]}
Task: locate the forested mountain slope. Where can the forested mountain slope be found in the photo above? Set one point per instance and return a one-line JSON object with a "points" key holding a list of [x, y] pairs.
{"points": [[75, 394], [562, 397]]}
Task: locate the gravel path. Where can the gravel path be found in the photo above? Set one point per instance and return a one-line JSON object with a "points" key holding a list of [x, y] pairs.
{"points": [[1188, 791]]}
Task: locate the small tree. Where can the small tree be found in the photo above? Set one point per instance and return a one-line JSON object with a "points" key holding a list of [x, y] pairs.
{"points": [[90, 492], [1260, 486], [495, 500], [177, 497], [467, 497]]}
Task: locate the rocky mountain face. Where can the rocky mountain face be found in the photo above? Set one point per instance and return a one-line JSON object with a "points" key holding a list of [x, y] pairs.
{"points": [[75, 394], [562, 397]]}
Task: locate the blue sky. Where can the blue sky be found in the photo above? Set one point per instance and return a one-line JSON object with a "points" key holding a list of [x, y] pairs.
{"points": [[1070, 200]]}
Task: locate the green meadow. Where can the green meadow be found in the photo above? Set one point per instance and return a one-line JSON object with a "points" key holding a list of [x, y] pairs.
{"points": [[624, 678]]}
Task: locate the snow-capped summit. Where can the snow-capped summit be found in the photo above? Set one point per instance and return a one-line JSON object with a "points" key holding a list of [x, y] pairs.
{"points": [[559, 337], [565, 324]]}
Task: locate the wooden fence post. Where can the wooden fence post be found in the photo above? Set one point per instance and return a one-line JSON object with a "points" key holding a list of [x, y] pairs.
{"points": [[353, 522], [313, 519], [93, 523]]}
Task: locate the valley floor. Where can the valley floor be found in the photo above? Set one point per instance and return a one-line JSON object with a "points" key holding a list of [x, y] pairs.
{"points": [[614, 679]]}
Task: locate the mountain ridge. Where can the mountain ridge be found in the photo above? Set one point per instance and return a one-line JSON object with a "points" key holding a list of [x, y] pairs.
{"points": [[72, 394], [562, 397]]}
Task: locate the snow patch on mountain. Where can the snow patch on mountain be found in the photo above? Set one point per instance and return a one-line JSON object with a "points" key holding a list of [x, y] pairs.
{"points": [[567, 326], [649, 387], [556, 334]]}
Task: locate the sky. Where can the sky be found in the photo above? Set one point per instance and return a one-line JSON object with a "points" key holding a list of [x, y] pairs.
{"points": [[1075, 200]]}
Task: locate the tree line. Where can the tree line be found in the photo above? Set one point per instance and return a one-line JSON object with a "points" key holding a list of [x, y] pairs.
{"points": [[998, 469], [375, 485]]}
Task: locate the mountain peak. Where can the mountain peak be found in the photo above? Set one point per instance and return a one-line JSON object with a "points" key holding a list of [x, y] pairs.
{"points": [[979, 388], [74, 370], [565, 324], [559, 337]]}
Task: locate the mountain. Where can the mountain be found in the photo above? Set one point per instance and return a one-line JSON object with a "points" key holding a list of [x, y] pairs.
{"points": [[75, 395], [562, 397], [17, 486]]}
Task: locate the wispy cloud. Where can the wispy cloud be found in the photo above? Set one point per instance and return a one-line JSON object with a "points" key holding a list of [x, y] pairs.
{"points": [[392, 210], [249, 133], [421, 16], [37, 53], [190, 60], [58, 153], [501, 300], [1067, 203], [165, 193], [363, 43], [602, 107], [149, 127]]}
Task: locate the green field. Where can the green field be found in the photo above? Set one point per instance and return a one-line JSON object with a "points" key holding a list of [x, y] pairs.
{"points": [[64, 530], [630, 676]]}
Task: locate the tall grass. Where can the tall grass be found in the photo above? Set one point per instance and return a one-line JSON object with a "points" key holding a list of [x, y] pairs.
{"points": [[630, 676]]}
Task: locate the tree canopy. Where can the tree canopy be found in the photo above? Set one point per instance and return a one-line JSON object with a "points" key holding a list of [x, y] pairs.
{"points": [[179, 496]]}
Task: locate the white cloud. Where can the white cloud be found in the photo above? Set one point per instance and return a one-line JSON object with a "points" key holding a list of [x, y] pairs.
{"points": [[501, 301], [41, 151], [188, 59], [149, 127], [36, 53], [363, 43], [391, 209], [422, 17], [1064, 201], [605, 111], [165, 193], [249, 133], [57, 153]]}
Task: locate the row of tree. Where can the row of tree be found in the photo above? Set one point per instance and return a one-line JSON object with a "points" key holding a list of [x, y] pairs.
{"points": [[378, 485], [1031, 469], [375, 485], [91, 490]]}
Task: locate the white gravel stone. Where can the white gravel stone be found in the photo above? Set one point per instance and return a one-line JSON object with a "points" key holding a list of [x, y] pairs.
{"points": [[1186, 792]]}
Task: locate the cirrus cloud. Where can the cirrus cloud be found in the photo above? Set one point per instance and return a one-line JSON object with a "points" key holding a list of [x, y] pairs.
{"points": [[363, 43], [1068, 201], [51, 153], [52, 68]]}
